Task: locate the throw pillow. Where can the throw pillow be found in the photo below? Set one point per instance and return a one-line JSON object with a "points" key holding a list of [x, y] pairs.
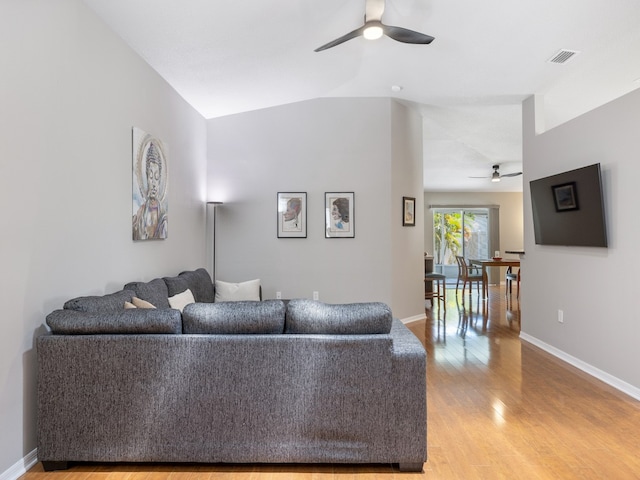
{"points": [[180, 300], [234, 292], [139, 303]]}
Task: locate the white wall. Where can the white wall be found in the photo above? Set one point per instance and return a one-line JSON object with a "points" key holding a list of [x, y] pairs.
{"points": [[595, 287], [70, 92], [511, 214], [318, 146]]}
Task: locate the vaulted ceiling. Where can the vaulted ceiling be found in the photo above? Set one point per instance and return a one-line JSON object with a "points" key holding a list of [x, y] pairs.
{"points": [[237, 56]]}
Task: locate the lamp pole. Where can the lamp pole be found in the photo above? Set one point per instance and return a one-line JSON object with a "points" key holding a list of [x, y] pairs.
{"points": [[211, 234]]}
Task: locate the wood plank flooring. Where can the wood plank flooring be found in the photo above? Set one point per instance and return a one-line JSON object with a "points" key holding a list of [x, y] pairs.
{"points": [[498, 408]]}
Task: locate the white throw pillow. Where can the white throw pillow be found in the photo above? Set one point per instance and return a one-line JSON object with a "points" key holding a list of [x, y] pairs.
{"points": [[180, 300], [235, 292], [139, 303]]}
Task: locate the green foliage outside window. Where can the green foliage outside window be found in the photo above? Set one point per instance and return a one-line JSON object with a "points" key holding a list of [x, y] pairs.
{"points": [[448, 234]]}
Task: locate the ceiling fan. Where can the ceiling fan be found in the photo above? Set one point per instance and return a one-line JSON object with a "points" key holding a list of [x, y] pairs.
{"points": [[495, 176], [373, 29]]}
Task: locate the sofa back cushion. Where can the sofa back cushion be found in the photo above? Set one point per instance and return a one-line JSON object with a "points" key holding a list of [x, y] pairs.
{"points": [[125, 321], [198, 281], [113, 302], [200, 284], [155, 292], [313, 317], [240, 317]]}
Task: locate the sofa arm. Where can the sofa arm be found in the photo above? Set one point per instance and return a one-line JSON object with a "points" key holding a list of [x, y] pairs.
{"points": [[135, 320], [409, 373]]}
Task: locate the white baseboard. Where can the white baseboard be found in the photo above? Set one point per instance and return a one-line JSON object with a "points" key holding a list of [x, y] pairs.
{"points": [[615, 382], [20, 467], [410, 320]]}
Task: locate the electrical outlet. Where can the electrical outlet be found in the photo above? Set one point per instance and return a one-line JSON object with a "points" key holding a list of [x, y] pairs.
{"points": [[560, 316], [279, 295], [316, 295]]}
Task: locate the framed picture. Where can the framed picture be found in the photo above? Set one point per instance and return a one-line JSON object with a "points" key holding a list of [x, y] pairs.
{"points": [[292, 214], [339, 214], [408, 212], [150, 178], [565, 197]]}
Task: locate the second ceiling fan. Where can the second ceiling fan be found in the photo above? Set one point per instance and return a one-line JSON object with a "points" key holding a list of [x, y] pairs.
{"points": [[373, 28], [495, 176]]}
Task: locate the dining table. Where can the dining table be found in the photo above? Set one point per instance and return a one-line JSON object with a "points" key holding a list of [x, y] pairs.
{"points": [[489, 263]]}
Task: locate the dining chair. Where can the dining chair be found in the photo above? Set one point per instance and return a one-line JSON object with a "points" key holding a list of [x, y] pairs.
{"points": [[467, 274], [435, 288], [511, 277]]}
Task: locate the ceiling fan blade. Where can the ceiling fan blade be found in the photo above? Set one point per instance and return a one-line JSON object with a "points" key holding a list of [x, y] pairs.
{"points": [[342, 39], [405, 35], [511, 174], [373, 10]]}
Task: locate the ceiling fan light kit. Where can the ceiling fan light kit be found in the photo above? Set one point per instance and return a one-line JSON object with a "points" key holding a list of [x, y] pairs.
{"points": [[373, 29]]}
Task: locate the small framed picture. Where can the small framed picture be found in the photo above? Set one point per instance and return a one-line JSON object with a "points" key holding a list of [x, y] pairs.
{"points": [[408, 212], [339, 211], [292, 214], [565, 197]]}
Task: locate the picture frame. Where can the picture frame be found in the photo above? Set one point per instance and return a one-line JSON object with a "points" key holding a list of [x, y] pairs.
{"points": [[565, 197], [150, 201], [408, 212], [292, 214], [339, 216]]}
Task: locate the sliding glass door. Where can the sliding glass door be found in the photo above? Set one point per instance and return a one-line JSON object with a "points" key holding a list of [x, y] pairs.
{"points": [[463, 232]]}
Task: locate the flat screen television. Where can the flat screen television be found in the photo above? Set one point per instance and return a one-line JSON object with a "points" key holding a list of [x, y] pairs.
{"points": [[568, 208]]}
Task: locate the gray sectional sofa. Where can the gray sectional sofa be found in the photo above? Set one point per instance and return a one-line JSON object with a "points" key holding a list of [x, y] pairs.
{"points": [[229, 382]]}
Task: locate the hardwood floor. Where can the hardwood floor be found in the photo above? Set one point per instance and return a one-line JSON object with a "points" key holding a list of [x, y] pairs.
{"points": [[498, 408]]}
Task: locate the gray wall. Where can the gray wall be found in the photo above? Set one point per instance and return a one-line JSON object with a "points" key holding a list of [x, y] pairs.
{"points": [[407, 256], [318, 146], [70, 92], [595, 287]]}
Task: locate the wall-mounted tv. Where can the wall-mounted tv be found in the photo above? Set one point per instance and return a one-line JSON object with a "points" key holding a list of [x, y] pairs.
{"points": [[568, 208]]}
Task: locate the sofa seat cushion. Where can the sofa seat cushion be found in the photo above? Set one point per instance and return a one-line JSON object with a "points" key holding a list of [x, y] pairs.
{"points": [[113, 302], [154, 292], [198, 281], [125, 321], [313, 317], [240, 317]]}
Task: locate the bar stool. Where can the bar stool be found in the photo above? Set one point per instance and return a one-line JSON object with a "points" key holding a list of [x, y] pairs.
{"points": [[511, 277], [438, 289]]}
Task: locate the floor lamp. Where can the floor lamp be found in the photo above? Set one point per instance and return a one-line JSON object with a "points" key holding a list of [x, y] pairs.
{"points": [[211, 237]]}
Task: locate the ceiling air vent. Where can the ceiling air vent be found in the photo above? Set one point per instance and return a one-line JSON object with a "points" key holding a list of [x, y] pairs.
{"points": [[563, 56]]}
